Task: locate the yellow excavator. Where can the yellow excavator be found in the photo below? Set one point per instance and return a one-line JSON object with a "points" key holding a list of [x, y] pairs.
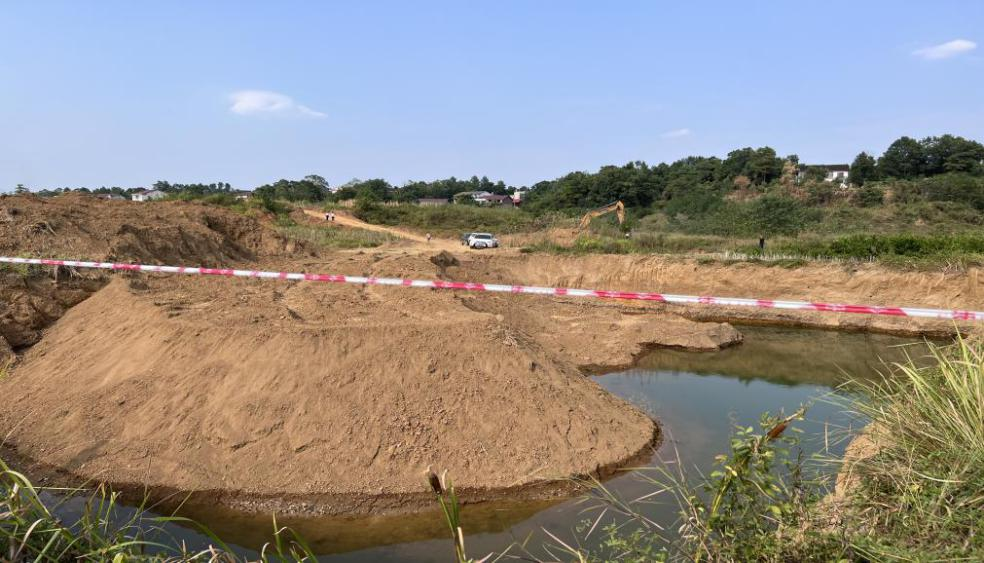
{"points": [[618, 207]]}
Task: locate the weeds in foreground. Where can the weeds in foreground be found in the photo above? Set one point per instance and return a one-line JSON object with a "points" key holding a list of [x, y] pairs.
{"points": [[32, 531], [451, 507], [749, 507], [919, 494]]}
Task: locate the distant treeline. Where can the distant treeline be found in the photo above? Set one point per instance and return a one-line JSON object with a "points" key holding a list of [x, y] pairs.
{"points": [[944, 168]]}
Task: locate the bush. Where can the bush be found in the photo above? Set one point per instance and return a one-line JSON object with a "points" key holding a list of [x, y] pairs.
{"points": [[450, 218], [778, 215], [962, 188], [870, 196]]}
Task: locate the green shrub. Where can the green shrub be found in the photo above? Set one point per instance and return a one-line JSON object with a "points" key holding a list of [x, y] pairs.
{"points": [[870, 196], [450, 219], [962, 188]]}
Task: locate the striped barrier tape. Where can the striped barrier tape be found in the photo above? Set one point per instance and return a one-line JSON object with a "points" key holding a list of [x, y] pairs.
{"points": [[524, 289]]}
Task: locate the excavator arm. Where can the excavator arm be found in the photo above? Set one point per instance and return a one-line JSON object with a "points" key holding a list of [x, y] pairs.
{"points": [[618, 207]]}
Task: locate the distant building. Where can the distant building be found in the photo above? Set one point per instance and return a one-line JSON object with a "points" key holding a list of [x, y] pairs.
{"points": [[835, 172], [432, 201], [475, 196], [496, 200], [242, 194], [110, 196], [518, 195], [148, 195]]}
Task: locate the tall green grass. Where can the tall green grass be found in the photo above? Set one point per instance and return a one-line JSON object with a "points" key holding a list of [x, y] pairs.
{"points": [[920, 494], [32, 531], [903, 250]]}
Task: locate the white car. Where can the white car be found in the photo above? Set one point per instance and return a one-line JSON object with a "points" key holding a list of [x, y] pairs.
{"points": [[482, 240]]}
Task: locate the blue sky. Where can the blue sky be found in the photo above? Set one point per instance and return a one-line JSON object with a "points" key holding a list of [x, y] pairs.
{"points": [[126, 93]]}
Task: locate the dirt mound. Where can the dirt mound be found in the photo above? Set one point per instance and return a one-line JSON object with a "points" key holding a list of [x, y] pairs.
{"points": [[89, 228], [78, 226], [444, 260], [28, 304], [324, 398]]}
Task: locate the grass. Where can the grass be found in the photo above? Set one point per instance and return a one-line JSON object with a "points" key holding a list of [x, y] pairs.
{"points": [[452, 220], [921, 495], [901, 251], [32, 531], [335, 237]]}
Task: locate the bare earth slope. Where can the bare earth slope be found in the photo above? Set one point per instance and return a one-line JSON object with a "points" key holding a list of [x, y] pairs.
{"points": [[89, 228], [868, 284], [307, 390]]}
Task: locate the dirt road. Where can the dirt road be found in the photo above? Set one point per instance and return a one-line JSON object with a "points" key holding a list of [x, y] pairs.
{"points": [[346, 220], [420, 242]]}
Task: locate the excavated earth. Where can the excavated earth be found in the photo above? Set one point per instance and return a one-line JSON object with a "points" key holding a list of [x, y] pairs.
{"points": [[334, 399], [301, 397]]}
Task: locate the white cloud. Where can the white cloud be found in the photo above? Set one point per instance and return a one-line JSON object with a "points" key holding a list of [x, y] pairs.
{"points": [[676, 133], [262, 102], [945, 50]]}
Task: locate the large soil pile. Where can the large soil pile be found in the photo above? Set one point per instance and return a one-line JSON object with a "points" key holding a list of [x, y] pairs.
{"points": [[86, 227], [302, 397], [289, 391], [89, 228]]}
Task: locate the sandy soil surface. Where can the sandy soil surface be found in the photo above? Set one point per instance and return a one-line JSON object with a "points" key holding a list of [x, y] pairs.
{"points": [[87, 228], [309, 397], [332, 392], [343, 219]]}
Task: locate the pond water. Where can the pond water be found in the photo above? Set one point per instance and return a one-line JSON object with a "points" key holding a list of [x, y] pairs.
{"points": [[698, 398]]}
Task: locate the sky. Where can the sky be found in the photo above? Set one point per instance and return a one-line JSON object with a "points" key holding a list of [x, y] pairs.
{"points": [[126, 93]]}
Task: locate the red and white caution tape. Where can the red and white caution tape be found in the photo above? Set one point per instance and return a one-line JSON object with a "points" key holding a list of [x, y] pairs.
{"points": [[524, 289]]}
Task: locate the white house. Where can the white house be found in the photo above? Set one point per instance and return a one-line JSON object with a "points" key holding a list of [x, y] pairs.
{"points": [[477, 197], [837, 173], [833, 172], [147, 195]]}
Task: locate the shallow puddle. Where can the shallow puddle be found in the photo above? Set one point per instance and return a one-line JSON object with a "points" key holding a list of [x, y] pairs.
{"points": [[698, 398]]}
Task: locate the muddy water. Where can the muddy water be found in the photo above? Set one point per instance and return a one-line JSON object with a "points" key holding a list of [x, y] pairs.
{"points": [[698, 397]]}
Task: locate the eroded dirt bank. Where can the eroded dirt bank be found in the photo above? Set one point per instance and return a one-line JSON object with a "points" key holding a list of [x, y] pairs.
{"points": [[88, 228], [868, 284]]}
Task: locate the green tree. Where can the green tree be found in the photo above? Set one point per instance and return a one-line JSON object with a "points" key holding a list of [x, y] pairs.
{"points": [[863, 169], [814, 174], [736, 164], [904, 159], [776, 215], [963, 188], [317, 181], [950, 153], [21, 189], [764, 166]]}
